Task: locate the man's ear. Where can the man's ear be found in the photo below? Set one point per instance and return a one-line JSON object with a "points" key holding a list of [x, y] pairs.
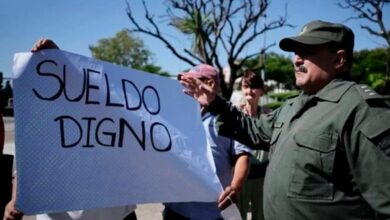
{"points": [[341, 59]]}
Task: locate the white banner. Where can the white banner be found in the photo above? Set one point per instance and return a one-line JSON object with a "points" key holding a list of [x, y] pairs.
{"points": [[90, 134]]}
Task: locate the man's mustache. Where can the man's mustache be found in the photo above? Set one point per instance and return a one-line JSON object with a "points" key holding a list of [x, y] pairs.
{"points": [[301, 68]]}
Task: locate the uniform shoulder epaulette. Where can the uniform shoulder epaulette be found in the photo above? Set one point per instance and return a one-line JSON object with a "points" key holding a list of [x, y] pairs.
{"points": [[289, 100], [292, 96], [368, 93]]}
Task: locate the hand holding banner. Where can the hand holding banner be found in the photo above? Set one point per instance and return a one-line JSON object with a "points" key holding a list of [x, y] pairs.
{"points": [[90, 134]]}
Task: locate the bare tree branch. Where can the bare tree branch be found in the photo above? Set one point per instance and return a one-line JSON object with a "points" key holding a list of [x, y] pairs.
{"points": [[372, 11], [215, 26], [156, 33], [263, 51], [193, 56]]}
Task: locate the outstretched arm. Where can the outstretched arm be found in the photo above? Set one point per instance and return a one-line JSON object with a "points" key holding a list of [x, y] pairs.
{"points": [[255, 133]]}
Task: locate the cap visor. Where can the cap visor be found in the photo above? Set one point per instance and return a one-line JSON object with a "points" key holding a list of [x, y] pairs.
{"points": [[292, 43], [190, 73]]}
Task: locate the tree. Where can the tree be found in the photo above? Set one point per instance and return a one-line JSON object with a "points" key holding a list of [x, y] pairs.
{"points": [[280, 69], [150, 68], [221, 31], [372, 11], [189, 25], [277, 67], [125, 50], [369, 67]]}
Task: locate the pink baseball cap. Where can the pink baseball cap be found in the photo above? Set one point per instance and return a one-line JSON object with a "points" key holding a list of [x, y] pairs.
{"points": [[201, 70]]}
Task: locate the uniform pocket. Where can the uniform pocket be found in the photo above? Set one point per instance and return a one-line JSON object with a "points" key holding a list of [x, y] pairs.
{"points": [[377, 130], [274, 138], [313, 164]]}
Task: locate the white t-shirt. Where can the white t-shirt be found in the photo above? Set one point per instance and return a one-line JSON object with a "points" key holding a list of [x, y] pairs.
{"points": [[114, 213]]}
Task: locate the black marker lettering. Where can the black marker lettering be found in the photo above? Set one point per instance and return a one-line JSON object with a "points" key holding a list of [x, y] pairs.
{"points": [[78, 98], [160, 134], [128, 107], [149, 109], [122, 124], [112, 135], [90, 86], [89, 120], [62, 130], [60, 83]]}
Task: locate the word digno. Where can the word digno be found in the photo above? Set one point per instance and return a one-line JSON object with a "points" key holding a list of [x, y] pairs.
{"points": [[104, 131]]}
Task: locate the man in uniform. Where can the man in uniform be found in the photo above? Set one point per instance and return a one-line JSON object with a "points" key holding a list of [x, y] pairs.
{"points": [[329, 146]]}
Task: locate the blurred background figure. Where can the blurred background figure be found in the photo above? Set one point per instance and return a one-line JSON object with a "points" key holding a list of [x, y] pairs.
{"points": [[6, 164], [251, 197]]}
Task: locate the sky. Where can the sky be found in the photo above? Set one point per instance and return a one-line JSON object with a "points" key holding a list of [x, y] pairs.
{"points": [[76, 24]]}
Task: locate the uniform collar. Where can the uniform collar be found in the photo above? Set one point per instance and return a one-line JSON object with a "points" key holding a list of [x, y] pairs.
{"points": [[334, 90]]}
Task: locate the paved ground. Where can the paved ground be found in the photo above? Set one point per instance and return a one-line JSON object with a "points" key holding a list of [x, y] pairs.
{"points": [[144, 212], [9, 128]]}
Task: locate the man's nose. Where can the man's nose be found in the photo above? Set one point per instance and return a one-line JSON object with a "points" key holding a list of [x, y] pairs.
{"points": [[297, 60]]}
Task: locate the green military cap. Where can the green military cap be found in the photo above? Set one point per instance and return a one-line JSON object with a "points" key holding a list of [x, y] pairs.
{"points": [[320, 32]]}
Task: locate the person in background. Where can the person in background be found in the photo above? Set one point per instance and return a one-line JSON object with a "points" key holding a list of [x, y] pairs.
{"points": [[231, 161], [112, 213], [251, 196], [2, 133], [329, 147], [5, 171]]}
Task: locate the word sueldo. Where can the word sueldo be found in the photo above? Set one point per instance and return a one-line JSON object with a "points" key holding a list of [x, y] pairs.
{"points": [[104, 131]]}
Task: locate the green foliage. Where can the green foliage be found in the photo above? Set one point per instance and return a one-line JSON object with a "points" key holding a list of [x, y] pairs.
{"points": [[280, 69], [377, 80], [273, 105], [150, 68], [280, 98], [125, 50], [369, 67], [277, 67]]}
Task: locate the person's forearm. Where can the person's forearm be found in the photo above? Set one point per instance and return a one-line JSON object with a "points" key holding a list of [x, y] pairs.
{"points": [[241, 170], [230, 193], [231, 122], [14, 187]]}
